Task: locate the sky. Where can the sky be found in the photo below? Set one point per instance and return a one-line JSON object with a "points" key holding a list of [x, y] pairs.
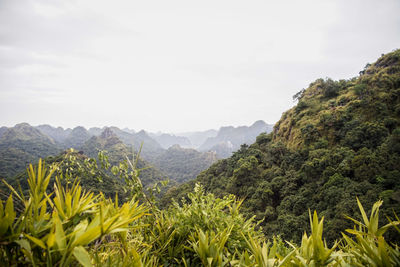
{"points": [[177, 66]]}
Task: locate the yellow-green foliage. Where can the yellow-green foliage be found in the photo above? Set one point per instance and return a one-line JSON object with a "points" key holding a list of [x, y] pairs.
{"points": [[73, 227], [341, 141], [377, 84], [57, 228]]}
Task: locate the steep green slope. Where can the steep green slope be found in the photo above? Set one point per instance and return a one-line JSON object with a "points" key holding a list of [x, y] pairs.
{"points": [[117, 152], [183, 164], [340, 141], [106, 141], [57, 134], [76, 138], [150, 147], [21, 145]]}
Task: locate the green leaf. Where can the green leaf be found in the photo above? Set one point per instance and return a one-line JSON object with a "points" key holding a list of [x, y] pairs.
{"points": [[82, 256], [38, 242], [24, 244], [51, 238], [59, 233], [363, 214], [26, 249], [9, 210]]}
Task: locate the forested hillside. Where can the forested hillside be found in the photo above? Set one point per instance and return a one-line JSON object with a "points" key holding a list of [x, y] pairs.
{"points": [[184, 164], [57, 134], [341, 141], [117, 152], [176, 164], [21, 145], [150, 147]]}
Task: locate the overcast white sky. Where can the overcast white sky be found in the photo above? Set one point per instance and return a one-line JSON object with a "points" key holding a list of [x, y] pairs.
{"points": [[179, 65]]}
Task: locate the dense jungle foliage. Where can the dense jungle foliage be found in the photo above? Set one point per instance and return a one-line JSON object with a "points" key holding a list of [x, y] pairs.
{"points": [[184, 164], [94, 175], [104, 172], [116, 152], [341, 141], [70, 226], [22, 145]]}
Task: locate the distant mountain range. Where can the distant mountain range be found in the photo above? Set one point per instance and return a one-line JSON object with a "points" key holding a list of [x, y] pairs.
{"points": [[169, 140], [198, 138], [223, 141], [172, 156], [229, 139]]}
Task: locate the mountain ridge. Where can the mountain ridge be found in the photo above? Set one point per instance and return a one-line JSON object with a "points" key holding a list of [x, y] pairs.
{"points": [[229, 138]]}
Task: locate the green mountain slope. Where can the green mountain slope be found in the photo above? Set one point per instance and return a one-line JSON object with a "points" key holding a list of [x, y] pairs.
{"points": [[57, 134], [76, 138], [150, 147], [340, 141], [176, 163], [109, 142], [21, 145], [117, 152], [183, 164]]}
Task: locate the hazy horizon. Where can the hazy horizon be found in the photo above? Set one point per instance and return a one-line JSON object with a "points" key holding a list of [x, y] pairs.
{"points": [[136, 130], [179, 66]]}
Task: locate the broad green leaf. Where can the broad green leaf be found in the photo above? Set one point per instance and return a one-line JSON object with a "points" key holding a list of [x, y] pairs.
{"points": [[59, 233], [24, 244], [36, 241], [88, 236], [82, 256], [26, 249], [51, 239]]}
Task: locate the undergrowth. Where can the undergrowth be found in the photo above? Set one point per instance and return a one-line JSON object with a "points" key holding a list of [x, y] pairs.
{"points": [[70, 227]]}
